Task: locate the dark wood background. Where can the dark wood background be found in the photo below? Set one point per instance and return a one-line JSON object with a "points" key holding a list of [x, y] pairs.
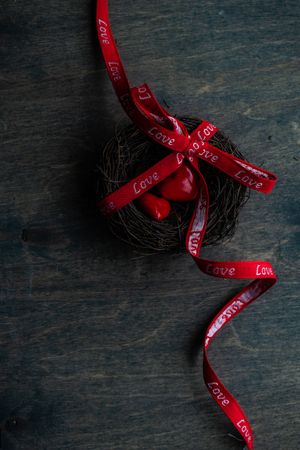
{"points": [[101, 347]]}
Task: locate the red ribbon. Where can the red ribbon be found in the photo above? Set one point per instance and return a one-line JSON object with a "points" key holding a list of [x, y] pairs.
{"points": [[149, 116]]}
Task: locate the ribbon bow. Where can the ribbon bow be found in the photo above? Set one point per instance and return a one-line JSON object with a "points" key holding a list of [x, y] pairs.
{"points": [[149, 116]]}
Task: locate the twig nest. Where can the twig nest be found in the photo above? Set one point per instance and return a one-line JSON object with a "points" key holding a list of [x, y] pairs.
{"points": [[131, 152]]}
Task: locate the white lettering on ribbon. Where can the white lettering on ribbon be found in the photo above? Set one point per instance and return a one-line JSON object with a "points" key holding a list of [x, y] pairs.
{"points": [[114, 67], [252, 292], [144, 94], [203, 152], [103, 32], [142, 185], [263, 270], [231, 311], [180, 158], [218, 394], [197, 227], [206, 132], [247, 179], [159, 136], [220, 271], [244, 430]]}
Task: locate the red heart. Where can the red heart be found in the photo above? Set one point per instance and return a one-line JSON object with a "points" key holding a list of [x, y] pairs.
{"points": [[181, 186], [155, 207]]}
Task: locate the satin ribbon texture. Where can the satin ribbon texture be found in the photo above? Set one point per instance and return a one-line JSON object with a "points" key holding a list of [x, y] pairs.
{"points": [[159, 125]]}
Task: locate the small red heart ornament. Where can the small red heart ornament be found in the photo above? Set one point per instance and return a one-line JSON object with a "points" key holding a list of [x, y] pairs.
{"points": [[155, 207], [181, 186]]}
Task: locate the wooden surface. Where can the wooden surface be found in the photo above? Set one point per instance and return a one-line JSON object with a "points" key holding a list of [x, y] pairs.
{"points": [[100, 347]]}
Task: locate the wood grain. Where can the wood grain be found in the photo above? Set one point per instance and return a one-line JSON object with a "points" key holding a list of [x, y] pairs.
{"points": [[100, 347]]}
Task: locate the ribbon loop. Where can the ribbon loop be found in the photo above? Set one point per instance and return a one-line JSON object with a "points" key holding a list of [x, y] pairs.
{"points": [[242, 172]]}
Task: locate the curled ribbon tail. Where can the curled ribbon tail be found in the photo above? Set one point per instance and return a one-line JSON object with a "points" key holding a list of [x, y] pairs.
{"points": [[219, 393], [264, 277]]}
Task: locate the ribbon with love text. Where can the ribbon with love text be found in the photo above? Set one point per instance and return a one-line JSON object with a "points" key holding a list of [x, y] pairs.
{"points": [[156, 122]]}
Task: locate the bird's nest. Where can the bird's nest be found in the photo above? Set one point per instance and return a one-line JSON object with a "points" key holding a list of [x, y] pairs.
{"points": [[130, 152]]}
